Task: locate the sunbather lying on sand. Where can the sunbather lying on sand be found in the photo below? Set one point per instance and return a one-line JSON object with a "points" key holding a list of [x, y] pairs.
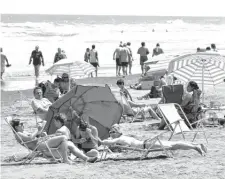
{"points": [[59, 142], [117, 137]]}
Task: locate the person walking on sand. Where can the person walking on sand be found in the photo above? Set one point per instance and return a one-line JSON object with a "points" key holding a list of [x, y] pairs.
{"points": [[130, 57], [3, 65], [38, 58], [116, 56], [157, 50], [58, 56], [143, 52], [94, 59]]}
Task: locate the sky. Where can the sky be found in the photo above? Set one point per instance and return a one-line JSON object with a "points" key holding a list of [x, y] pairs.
{"points": [[115, 7]]}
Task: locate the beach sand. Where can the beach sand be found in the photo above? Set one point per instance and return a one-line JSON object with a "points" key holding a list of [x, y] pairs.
{"points": [[184, 164]]}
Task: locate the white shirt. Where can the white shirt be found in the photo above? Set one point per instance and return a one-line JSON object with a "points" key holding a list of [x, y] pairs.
{"points": [[43, 103]]}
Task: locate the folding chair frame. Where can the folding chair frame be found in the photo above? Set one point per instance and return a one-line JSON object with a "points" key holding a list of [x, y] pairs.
{"points": [[145, 151], [33, 153], [177, 123], [134, 116]]}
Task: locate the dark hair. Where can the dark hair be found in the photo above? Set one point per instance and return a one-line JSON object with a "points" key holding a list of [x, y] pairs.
{"points": [[87, 49], [57, 80], [157, 45], [161, 77], [194, 85], [83, 125], [120, 82], [93, 46], [14, 123], [61, 118], [40, 85], [198, 49], [208, 48], [143, 44], [128, 43], [213, 46]]}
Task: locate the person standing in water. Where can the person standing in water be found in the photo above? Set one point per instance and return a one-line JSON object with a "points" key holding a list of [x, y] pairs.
{"points": [[38, 58], [157, 50], [3, 65], [94, 59], [130, 57], [116, 56], [143, 52]]}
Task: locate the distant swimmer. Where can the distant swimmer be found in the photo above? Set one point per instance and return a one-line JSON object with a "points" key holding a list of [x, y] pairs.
{"points": [[3, 65], [153, 30], [38, 58], [121, 31], [157, 50], [166, 30], [213, 47]]}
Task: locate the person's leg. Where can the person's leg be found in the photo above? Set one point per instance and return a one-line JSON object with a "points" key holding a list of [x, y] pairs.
{"points": [[37, 70], [92, 153], [119, 69], [59, 142], [142, 69], [133, 104], [179, 145], [1, 75], [130, 67], [75, 151], [96, 71], [152, 113]]}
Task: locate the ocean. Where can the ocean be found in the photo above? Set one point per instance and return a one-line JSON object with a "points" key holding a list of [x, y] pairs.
{"points": [[20, 34]]}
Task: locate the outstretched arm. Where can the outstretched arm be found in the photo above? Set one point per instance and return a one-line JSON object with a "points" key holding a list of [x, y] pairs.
{"points": [[109, 141]]}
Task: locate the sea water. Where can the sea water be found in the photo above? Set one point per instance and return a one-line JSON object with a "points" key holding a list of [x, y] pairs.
{"points": [[74, 33]]}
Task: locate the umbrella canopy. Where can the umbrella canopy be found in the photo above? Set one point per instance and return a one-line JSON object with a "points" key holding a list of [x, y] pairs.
{"points": [[203, 68], [94, 103], [71, 67]]}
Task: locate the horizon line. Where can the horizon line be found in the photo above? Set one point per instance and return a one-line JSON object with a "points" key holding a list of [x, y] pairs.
{"points": [[111, 15]]}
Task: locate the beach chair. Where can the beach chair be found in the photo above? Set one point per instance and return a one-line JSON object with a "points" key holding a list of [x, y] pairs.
{"points": [[173, 93], [128, 111], [34, 153], [148, 150], [175, 123]]}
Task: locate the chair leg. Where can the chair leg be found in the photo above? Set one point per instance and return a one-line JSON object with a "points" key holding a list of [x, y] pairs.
{"points": [[163, 147], [173, 132]]}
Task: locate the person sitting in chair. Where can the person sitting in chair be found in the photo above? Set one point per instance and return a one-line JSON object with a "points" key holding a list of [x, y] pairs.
{"points": [[60, 120], [87, 138], [39, 104], [54, 141], [154, 93], [132, 104], [190, 103], [117, 138]]}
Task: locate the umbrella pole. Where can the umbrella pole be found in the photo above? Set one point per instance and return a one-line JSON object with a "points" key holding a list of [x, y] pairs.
{"points": [[203, 70]]}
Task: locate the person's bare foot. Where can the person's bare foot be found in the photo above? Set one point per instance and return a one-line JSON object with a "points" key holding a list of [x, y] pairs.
{"points": [[68, 162], [92, 159], [201, 149]]}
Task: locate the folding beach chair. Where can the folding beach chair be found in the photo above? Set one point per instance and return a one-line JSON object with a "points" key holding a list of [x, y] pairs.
{"points": [[175, 123], [173, 93], [145, 151], [33, 153], [128, 111]]}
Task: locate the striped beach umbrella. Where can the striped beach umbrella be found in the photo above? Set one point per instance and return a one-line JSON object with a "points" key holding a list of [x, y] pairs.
{"points": [[203, 68], [71, 67]]}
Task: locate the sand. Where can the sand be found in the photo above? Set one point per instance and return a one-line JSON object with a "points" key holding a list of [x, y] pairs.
{"points": [[184, 164]]}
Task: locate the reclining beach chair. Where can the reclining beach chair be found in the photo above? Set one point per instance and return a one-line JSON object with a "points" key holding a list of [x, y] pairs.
{"points": [[175, 123], [146, 151], [33, 153], [128, 111]]}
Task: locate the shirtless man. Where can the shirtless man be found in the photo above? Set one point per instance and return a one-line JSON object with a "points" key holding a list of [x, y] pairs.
{"points": [[3, 60], [117, 137]]}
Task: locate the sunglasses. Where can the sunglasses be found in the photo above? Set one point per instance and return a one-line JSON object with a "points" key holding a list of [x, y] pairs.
{"points": [[112, 132]]}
